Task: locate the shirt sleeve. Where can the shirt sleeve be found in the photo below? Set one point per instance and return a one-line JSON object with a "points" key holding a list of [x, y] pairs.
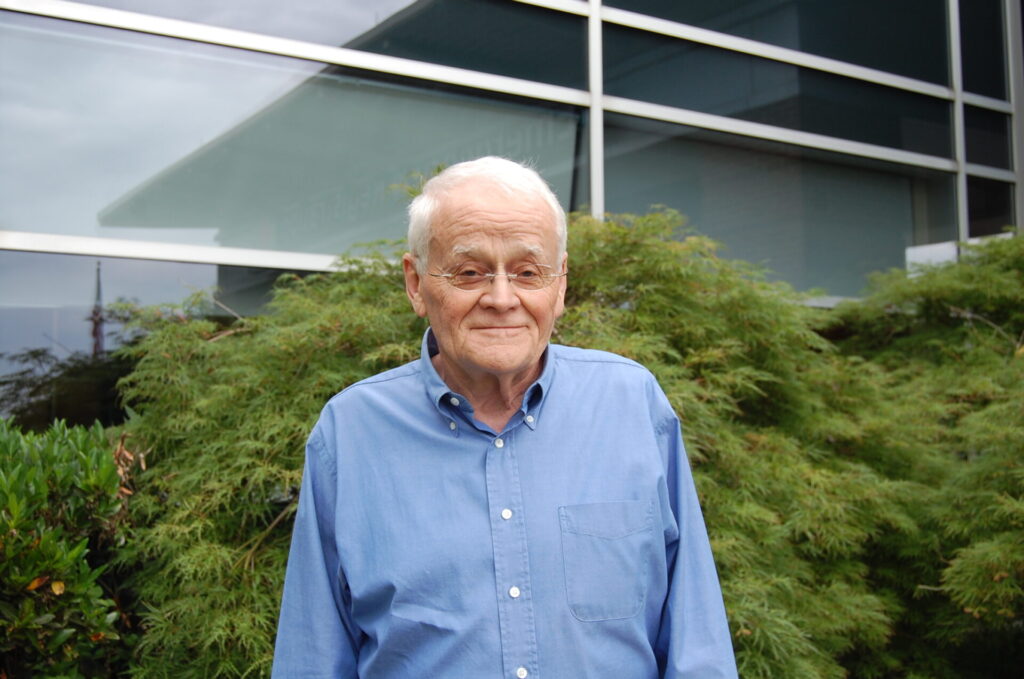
{"points": [[315, 635], [693, 641]]}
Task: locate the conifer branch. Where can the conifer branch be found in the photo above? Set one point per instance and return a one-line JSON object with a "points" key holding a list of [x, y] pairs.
{"points": [[257, 540], [228, 309], [971, 316]]}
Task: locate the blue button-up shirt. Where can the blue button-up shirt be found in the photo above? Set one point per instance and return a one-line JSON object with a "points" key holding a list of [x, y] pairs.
{"points": [[570, 544]]}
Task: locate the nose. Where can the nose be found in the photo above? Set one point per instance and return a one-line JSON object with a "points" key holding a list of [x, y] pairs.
{"points": [[500, 295]]}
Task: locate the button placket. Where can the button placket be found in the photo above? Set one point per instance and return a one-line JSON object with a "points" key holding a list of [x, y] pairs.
{"points": [[511, 559]]}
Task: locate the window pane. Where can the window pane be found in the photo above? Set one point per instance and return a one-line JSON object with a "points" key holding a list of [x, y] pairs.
{"points": [[872, 33], [155, 139], [989, 206], [52, 332], [495, 36], [987, 137], [982, 46], [815, 219], [678, 73]]}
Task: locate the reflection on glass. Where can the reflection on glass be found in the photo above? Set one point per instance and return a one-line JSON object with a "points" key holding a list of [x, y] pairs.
{"points": [[872, 33], [678, 73], [982, 46], [114, 134], [329, 22], [56, 332], [987, 137], [989, 206], [494, 36], [814, 219]]}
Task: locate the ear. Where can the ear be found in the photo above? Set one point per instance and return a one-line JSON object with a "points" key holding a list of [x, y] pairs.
{"points": [[412, 284], [562, 283]]}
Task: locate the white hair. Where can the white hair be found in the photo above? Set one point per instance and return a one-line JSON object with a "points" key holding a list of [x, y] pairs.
{"points": [[512, 177]]}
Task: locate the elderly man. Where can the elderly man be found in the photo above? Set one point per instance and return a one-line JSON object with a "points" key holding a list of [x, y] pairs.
{"points": [[501, 507]]}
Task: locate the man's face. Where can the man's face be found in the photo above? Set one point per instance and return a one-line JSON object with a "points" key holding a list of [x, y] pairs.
{"points": [[498, 329]]}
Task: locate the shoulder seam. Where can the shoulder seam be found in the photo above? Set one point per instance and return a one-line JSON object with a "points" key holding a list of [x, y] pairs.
{"points": [[667, 423], [382, 377], [622, 360], [618, 360], [316, 440]]}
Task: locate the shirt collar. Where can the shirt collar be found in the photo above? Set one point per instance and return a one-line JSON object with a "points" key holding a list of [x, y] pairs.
{"points": [[440, 395]]}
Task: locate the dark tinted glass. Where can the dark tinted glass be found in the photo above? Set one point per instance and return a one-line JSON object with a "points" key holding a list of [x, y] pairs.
{"points": [[989, 206], [678, 73], [815, 219], [987, 137], [982, 47], [57, 331], [872, 33], [495, 36]]}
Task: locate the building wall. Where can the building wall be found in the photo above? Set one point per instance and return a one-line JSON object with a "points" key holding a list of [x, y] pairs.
{"points": [[191, 144]]}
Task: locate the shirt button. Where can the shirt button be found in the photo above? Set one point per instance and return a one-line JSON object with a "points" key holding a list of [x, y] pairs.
{"points": [[498, 443], [454, 401], [514, 592], [529, 418], [452, 425], [506, 514], [522, 673]]}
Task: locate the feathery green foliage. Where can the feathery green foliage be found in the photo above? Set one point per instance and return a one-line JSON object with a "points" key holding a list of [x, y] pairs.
{"points": [[856, 504], [950, 340], [225, 413]]}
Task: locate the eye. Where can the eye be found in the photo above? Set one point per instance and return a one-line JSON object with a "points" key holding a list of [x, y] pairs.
{"points": [[528, 272], [468, 276], [529, 277], [468, 272]]}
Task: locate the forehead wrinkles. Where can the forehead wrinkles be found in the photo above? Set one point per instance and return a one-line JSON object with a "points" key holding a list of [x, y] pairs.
{"points": [[481, 201], [485, 224], [493, 222]]}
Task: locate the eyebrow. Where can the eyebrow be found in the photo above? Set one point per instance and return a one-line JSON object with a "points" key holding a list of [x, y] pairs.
{"points": [[459, 250]]}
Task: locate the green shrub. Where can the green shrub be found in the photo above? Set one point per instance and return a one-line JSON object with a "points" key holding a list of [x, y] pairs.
{"points": [[950, 342], [773, 415], [61, 510], [226, 413], [863, 493]]}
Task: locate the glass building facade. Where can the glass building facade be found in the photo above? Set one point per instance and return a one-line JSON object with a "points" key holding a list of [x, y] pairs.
{"points": [[151, 148]]}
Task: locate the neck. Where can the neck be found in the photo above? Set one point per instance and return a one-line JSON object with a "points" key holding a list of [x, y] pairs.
{"points": [[495, 398]]}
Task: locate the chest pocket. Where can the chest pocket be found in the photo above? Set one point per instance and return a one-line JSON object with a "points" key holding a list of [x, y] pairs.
{"points": [[606, 551]]}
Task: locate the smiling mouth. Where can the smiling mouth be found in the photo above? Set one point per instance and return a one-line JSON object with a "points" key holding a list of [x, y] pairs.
{"points": [[499, 328]]}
